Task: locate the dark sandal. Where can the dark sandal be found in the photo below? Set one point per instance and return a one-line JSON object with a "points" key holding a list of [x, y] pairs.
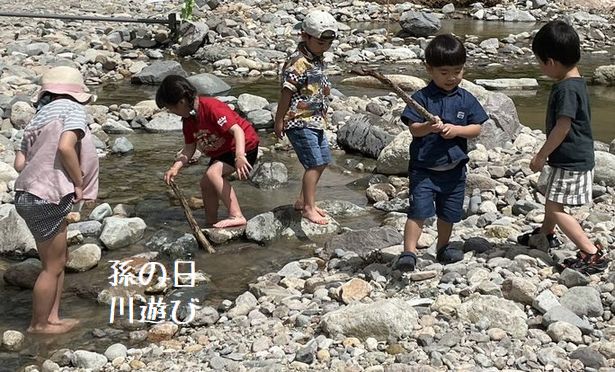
{"points": [[405, 262]]}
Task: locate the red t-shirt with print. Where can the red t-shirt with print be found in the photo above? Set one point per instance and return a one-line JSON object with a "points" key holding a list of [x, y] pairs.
{"points": [[210, 128]]}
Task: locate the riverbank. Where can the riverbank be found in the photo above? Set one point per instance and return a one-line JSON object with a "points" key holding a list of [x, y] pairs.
{"points": [[336, 305]]}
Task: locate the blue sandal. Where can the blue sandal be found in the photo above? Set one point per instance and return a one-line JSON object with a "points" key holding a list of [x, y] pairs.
{"points": [[405, 262]]}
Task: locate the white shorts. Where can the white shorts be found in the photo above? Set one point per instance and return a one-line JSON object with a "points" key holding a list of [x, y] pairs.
{"points": [[569, 187]]}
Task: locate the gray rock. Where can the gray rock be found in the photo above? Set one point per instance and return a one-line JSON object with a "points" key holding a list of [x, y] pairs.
{"points": [[448, 8], [261, 119], [205, 316], [539, 3], [394, 157], [341, 208], [174, 244], [590, 357], [119, 232], [364, 242], [269, 175], [305, 354], [83, 258], [86, 228], [157, 71], [193, 35], [503, 124], [12, 340], [23, 274], [243, 305], [101, 212], [249, 102], [519, 290], [584, 17], [88, 359], [545, 301], [477, 244], [572, 278], [605, 75], [583, 301], [21, 114], [604, 170], [562, 331], [15, 236], [286, 221], [514, 15], [35, 49], [562, 314], [115, 351], [419, 24], [122, 145], [381, 319], [359, 135], [209, 84], [164, 122], [115, 127], [499, 312]]}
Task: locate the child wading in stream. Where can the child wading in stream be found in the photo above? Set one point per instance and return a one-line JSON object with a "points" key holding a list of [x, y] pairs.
{"points": [[438, 152], [569, 149], [59, 167], [216, 130], [302, 107]]}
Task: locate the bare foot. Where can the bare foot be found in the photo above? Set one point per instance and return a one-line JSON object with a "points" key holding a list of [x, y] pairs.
{"points": [[51, 328], [315, 217], [70, 321], [299, 207], [231, 222]]}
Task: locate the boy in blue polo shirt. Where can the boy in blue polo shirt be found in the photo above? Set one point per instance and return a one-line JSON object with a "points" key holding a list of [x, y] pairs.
{"points": [[438, 152]]}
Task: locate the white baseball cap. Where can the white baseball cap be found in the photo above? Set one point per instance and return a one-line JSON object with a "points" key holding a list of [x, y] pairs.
{"points": [[320, 25]]}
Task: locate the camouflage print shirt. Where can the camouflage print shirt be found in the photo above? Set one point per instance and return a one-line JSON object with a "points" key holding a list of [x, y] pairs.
{"points": [[304, 75]]}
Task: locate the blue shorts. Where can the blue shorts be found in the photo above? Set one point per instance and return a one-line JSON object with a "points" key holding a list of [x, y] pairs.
{"points": [[311, 146], [438, 193]]}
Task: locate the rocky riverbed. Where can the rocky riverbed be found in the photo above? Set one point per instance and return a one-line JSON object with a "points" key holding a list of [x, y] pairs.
{"points": [[503, 308]]}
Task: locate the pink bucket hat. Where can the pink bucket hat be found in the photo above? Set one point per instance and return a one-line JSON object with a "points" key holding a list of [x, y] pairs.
{"points": [[64, 80]]}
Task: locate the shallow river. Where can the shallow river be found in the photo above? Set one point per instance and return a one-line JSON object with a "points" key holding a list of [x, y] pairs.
{"points": [[136, 179]]}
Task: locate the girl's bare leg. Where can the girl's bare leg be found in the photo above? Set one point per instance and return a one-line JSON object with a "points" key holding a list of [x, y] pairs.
{"points": [[216, 175], [46, 291]]}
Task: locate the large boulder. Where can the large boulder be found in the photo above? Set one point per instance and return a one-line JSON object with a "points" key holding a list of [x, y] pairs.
{"points": [[605, 75], [408, 83], [360, 135], [395, 157], [365, 242], [285, 221], [419, 24], [15, 236], [383, 319], [7, 172], [174, 244], [119, 232], [604, 170], [269, 175], [23, 274], [157, 71], [208, 84], [499, 312], [193, 36], [164, 122]]}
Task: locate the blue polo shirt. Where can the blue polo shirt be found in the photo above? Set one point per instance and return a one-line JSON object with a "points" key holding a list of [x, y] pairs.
{"points": [[457, 107]]}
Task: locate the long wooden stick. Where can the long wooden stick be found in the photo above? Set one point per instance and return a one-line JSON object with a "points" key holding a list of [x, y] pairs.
{"points": [[196, 230], [400, 92]]}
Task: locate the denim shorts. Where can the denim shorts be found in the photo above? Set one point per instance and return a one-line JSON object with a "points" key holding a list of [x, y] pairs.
{"points": [[438, 193], [311, 146]]}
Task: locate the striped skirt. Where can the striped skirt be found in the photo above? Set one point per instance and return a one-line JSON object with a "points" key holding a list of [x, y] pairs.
{"points": [[569, 187]]}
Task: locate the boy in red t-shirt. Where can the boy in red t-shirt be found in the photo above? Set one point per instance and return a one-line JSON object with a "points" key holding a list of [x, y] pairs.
{"points": [[219, 132]]}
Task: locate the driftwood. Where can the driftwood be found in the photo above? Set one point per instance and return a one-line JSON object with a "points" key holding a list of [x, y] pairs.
{"points": [[400, 92], [196, 230]]}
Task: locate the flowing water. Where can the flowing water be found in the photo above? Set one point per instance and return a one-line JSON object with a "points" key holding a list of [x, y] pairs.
{"points": [[136, 180]]}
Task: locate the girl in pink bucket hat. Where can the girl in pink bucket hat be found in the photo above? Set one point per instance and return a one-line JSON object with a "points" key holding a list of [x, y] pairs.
{"points": [[58, 168]]}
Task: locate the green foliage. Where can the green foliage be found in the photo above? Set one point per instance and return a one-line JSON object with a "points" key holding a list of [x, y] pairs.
{"points": [[187, 10]]}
